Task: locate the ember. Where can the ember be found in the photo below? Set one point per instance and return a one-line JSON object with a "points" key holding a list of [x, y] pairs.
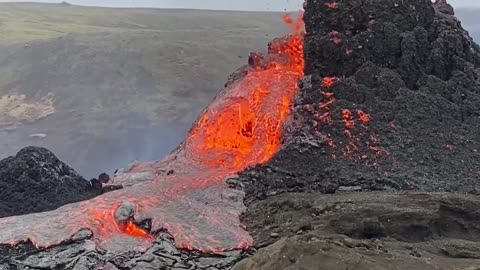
{"points": [[364, 117]]}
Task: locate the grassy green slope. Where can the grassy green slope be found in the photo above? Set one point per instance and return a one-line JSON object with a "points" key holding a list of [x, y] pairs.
{"points": [[26, 22], [127, 83]]}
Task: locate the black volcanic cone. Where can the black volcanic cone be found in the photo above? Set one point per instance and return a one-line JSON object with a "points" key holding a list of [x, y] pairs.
{"points": [[414, 70], [35, 180]]}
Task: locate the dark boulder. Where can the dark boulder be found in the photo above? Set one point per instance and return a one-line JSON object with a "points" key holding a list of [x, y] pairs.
{"points": [[35, 181], [104, 178]]}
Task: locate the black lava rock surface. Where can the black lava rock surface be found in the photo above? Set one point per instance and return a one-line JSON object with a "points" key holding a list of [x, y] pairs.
{"points": [[81, 252], [35, 181], [414, 70]]}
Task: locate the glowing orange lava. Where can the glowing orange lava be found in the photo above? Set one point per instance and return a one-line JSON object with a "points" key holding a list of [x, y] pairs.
{"points": [[363, 117], [328, 82], [287, 19], [347, 118], [245, 127], [110, 226], [132, 229]]}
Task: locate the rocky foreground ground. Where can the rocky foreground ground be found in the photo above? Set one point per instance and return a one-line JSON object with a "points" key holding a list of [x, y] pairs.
{"points": [[365, 231]]}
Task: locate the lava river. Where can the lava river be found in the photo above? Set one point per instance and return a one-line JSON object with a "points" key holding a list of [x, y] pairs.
{"points": [[240, 128]]}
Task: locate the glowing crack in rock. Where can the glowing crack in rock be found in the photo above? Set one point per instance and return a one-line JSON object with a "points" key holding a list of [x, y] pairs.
{"points": [[240, 128]]}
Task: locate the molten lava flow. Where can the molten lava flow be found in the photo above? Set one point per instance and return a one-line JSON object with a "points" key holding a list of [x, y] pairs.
{"points": [[242, 127], [110, 226]]}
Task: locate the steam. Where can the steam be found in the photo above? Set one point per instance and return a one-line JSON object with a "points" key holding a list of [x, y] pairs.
{"points": [[136, 144]]}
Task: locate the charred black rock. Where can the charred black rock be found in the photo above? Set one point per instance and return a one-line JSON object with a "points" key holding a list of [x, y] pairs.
{"points": [[255, 59], [443, 7], [104, 178], [35, 180], [96, 184], [100, 184]]}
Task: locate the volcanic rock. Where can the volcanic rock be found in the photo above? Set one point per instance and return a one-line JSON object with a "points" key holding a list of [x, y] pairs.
{"points": [[390, 100], [35, 181], [82, 253], [365, 230], [443, 7], [104, 178], [125, 212]]}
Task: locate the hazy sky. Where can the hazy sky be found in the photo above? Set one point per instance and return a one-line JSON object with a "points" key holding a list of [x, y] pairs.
{"points": [[277, 5]]}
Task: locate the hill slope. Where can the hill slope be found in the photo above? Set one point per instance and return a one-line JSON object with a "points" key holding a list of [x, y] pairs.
{"points": [[101, 87]]}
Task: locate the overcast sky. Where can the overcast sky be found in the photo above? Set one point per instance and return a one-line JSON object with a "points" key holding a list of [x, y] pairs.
{"points": [[273, 5], [277, 5]]}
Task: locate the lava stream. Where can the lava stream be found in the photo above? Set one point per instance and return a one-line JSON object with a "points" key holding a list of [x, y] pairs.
{"points": [[242, 127]]}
